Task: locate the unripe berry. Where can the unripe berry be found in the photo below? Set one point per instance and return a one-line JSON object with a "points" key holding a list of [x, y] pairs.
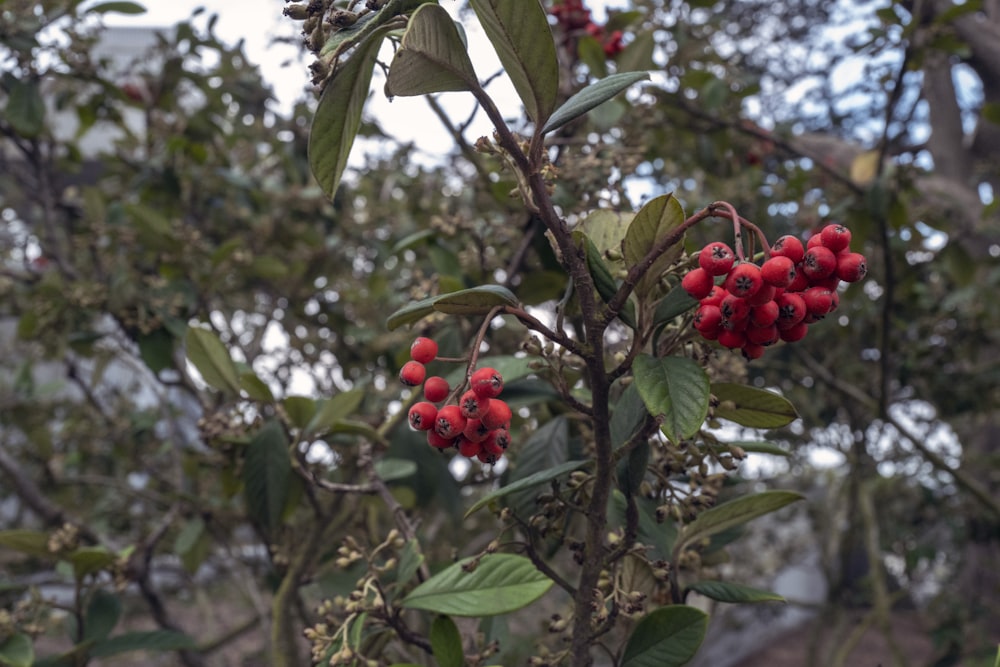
{"points": [[732, 339], [499, 414], [764, 314], [716, 258], [472, 405], [487, 382], [707, 318], [778, 271], [744, 280], [790, 247], [449, 423], [752, 351], [698, 283], [412, 373], [835, 237], [468, 448], [438, 441], [475, 431], [423, 350], [436, 389], [794, 333], [819, 263], [791, 310], [422, 416], [851, 267]]}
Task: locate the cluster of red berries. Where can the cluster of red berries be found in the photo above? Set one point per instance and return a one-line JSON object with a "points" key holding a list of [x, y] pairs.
{"points": [[478, 425], [753, 306], [572, 16]]}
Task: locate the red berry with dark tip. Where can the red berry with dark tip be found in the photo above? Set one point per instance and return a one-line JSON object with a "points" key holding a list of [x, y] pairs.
{"points": [[714, 297], [794, 333], [412, 373], [752, 351], [487, 382], [732, 339], [801, 282], [436, 389], [423, 350], [438, 441], [835, 237], [498, 440], [468, 448], [449, 422], [819, 263], [790, 247], [764, 294], [819, 301], [744, 280], [791, 310], [475, 431], [778, 271], [698, 283], [734, 308], [762, 335], [422, 415], [707, 318], [765, 314], [499, 414], [472, 405], [716, 258], [851, 267]]}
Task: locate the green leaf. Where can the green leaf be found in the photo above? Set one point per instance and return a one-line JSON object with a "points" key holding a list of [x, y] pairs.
{"points": [[476, 300], [409, 562], [631, 470], [723, 591], [255, 388], [266, 473], [300, 410], [675, 388], [540, 477], [151, 640], [119, 7], [446, 642], [410, 313], [519, 31], [752, 407], [157, 349], [88, 560], [333, 410], [596, 93], [659, 537], [667, 637], [604, 282], [510, 367], [629, 414], [31, 542], [338, 115], [606, 229], [655, 220], [762, 448], [500, 583], [393, 469], [733, 513], [188, 535], [676, 302], [211, 358], [103, 613], [431, 58], [17, 651], [25, 109]]}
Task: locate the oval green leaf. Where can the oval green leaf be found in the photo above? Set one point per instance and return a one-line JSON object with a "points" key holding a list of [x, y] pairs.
{"points": [[149, 640], [667, 637], [446, 642], [338, 115], [752, 407], [25, 109], [677, 389], [392, 469], [596, 93], [17, 651], [475, 300], [334, 409], [604, 282], [300, 410], [207, 353], [501, 583], [733, 513], [118, 7], [266, 473], [255, 388], [676, 302], [431, 58], [535, 479], [724, 591], [410, 313], [31, 542], [520, 33], [655, 220], [761, 448], [103, 612]]}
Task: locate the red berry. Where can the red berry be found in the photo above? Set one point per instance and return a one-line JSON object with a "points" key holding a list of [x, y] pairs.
{"points": [[732, 339], [498, 441], [449, 423], [707, 318], [472, 405], [801, 281], [794, 333], [475, 431], [716, 258], [438, 441], [790, 247], [835, 237], [422, 416], [412, 373], [487, 382], [698, 283], [765, 314], [752, 351], [791, 310], [744, 280], [814, 240], [831, 282], [778, 271], [734, 308], [499, 414], [851, 267], [762, 335], [423, 350], [764, 294], [468, 448], [819, 263], [487, 457], [436, 389], [714, 297], [819, 301]]}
